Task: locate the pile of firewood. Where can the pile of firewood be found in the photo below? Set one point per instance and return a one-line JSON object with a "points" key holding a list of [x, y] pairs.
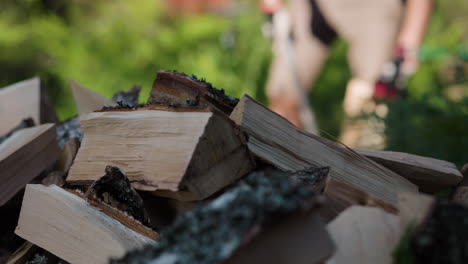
{"points": [[196, 176]]}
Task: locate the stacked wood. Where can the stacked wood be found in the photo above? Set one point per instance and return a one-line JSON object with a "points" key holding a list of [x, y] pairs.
{"points": [[19, 101], [67, 226], [24, 155], [213, 179], [189, 150], [430, 175], [277, 141]]}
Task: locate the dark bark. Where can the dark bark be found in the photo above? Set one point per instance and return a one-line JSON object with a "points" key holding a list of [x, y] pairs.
{"points": [[212, 231]]}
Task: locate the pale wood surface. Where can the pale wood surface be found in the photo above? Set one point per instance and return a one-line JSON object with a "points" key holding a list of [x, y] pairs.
{"points": [[68, 227], [18, 101], [88, 101], [24, 155], [153, 148], [200, 152], [277, 141], [431, 175], [364, 235]]}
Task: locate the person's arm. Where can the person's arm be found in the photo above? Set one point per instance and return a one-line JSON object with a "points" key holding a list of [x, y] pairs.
{"points": [[413, 28]]}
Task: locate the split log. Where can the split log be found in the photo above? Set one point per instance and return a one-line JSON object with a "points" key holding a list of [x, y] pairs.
{"points": [[88, 101], [270, 216], [339, 196], [24, 155], [364, 235], [174, 88], [430, 175], [65, 225], [275, 140], [19, 101], [190, 151]]}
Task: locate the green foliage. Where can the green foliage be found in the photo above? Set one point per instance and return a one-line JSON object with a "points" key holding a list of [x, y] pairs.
{"points": [[111, 45], [402, 253], [328, 91], [430, 126]]}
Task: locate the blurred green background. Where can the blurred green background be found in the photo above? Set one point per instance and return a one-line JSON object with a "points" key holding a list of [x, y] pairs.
{"points": [[110, 45]]}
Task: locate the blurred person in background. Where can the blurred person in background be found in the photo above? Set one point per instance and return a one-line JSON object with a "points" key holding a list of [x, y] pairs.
{"points": [[376, 31]]}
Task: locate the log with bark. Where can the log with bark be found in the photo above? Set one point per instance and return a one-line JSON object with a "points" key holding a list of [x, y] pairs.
{"points": [[66, 225]]}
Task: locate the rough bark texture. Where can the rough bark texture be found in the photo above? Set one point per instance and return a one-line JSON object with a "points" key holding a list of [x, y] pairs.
{"points": [[443, 237], [171, 87], [69, 129], [114, 189], [211, 232], [129, 98]]}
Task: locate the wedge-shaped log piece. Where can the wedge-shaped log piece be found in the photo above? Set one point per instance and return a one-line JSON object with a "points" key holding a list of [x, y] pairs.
{"points": [[192, 153], [180, 89], [277, 141], [88, 101], [67, 226], [430, 175], [364, 235], [19, 101], [24, 155]]}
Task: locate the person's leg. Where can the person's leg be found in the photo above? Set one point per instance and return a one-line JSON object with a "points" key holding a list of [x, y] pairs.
{"points": [[370, 27], [295, 65]]}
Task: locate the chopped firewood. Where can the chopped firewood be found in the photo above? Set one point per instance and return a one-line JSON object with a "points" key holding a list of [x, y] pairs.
{"points": [[25, 123], [65, 225], [414, 208], [115, 189], [86, 100], [277, 141], [340, 196], [19, 101], [175, 88], [129, 98], [121, 216], [24, 155], [268, 217], [192, 152], [430, 175], [364, 235]]}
